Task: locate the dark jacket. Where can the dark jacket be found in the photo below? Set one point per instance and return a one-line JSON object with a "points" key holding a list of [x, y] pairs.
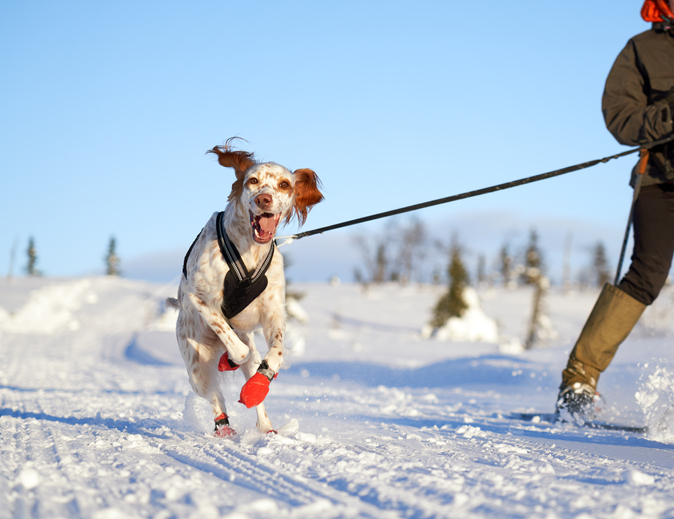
{"points": [[634, 104]]}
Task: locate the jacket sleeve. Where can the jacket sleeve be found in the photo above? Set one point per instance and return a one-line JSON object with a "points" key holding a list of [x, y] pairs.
{"points": [[628, 116]]}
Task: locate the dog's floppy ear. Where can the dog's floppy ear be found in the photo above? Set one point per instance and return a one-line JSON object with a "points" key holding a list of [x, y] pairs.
{"points": [[307, 193], [240, 161]]}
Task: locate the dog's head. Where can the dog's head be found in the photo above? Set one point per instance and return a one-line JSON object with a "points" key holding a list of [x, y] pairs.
{"points": [[270, 192]]}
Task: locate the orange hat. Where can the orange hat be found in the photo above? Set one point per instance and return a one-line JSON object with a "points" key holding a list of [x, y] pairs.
{"points": [[655, 10]]}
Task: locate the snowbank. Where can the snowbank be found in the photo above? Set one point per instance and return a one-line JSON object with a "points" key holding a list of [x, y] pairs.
{"points": [[50, 309]]}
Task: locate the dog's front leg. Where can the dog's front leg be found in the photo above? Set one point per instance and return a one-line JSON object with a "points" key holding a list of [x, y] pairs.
{"points": [[249, 370], [274, 328], [238, 352], [263, 422], [256, 388]]}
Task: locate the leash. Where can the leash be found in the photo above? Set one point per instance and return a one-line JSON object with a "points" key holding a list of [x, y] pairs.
{"points": [[470, 194]]}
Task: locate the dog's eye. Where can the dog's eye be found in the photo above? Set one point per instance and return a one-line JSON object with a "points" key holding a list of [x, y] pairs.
{"points": [[252, 180], [284, 185]]}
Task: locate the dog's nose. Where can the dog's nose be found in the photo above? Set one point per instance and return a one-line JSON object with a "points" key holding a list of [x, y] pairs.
{"points": [[263, 201]]}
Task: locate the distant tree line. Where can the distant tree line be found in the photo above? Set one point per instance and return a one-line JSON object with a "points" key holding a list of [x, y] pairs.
{"points": [[405, 252], [31, 269], [402, 252]]}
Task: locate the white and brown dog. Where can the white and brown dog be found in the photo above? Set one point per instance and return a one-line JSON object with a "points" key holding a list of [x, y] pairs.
{"points": [[234, 283]]}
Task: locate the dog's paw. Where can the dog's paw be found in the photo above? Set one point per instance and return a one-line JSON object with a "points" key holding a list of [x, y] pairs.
{"points": [[226, 364], [254, 391], [224, 431], [222, 428]]}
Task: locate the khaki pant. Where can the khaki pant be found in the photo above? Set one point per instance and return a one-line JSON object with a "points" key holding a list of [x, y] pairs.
{"points": [[614, 315]]}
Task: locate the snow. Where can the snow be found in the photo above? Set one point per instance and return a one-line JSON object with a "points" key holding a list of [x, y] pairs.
{"points": [[97, 419]]}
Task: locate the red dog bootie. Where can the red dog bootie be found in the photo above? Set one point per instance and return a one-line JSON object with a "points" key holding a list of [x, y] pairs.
{"points": [[225, 364], [222, 428], [255, 390]]}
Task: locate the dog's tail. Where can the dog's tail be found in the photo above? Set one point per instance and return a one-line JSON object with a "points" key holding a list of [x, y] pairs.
{"points": [[171, 302]]}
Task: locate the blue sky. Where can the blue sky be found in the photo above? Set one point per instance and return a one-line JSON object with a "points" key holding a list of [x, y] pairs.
{"points": [[106, 110]]}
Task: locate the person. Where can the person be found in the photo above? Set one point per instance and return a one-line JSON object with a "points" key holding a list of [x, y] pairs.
{"points": [[637, 104]]}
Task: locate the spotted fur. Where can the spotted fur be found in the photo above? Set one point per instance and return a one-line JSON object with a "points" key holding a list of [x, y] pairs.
{"points": [[262, 192]]}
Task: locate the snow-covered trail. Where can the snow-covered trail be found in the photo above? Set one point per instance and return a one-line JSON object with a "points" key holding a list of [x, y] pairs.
{"points": [[97, 419]]}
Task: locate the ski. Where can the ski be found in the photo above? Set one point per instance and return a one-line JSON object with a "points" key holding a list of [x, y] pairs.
{"points": [[551, 418]]}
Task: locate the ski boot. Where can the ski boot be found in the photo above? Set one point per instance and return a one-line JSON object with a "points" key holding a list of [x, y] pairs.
{"points": [[577, 403]]}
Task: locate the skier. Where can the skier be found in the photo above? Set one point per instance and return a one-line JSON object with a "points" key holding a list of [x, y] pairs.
{"points": [[637, 104]]}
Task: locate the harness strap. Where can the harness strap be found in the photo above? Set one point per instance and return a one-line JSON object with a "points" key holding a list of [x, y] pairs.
{"points": [[240, 288], [233, 258], [189, 251]]}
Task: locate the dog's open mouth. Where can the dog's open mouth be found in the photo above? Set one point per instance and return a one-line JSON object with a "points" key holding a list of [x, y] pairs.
{"points": [[264, 226]]}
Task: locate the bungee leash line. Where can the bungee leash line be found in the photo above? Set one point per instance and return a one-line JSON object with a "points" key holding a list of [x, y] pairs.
{"points": [[470, 194]]}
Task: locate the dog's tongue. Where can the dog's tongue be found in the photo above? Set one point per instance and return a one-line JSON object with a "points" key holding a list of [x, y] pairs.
{"points": [[267, 226]]}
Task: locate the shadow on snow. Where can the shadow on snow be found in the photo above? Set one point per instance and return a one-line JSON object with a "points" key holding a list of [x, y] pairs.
{"points": [[488, 369]]}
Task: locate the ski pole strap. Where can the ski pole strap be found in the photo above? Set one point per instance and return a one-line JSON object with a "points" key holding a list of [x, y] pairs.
{"points": [[643, 160], [478, 192]]}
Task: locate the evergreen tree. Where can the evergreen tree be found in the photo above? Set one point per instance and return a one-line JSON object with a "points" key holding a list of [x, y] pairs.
{"points": [[600, 264], [506, 262], [533, 260], [111, 259], [452, 304], [31, 268]]}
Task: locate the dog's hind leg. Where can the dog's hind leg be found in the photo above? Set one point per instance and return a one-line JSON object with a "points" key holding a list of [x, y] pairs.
{"points": [[201, 362]]}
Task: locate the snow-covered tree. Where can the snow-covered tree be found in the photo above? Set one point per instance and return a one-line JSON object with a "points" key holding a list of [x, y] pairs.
{"points": [[452, 303]]}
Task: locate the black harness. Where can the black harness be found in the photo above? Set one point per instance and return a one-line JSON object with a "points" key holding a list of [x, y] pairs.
{"points": [[240, 287]]}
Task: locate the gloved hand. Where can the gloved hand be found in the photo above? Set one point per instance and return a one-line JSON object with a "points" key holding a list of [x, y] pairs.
{"points": [[670, 100]]}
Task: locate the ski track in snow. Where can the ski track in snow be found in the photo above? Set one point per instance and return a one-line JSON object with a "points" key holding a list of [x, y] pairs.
{"points": [[97, 419]]}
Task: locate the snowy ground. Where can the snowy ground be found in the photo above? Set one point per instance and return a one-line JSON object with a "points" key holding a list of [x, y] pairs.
{"points": [[97, 419]]}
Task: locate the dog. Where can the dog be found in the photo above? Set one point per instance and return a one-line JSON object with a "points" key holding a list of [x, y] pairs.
{"points": [[233, 283]]}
